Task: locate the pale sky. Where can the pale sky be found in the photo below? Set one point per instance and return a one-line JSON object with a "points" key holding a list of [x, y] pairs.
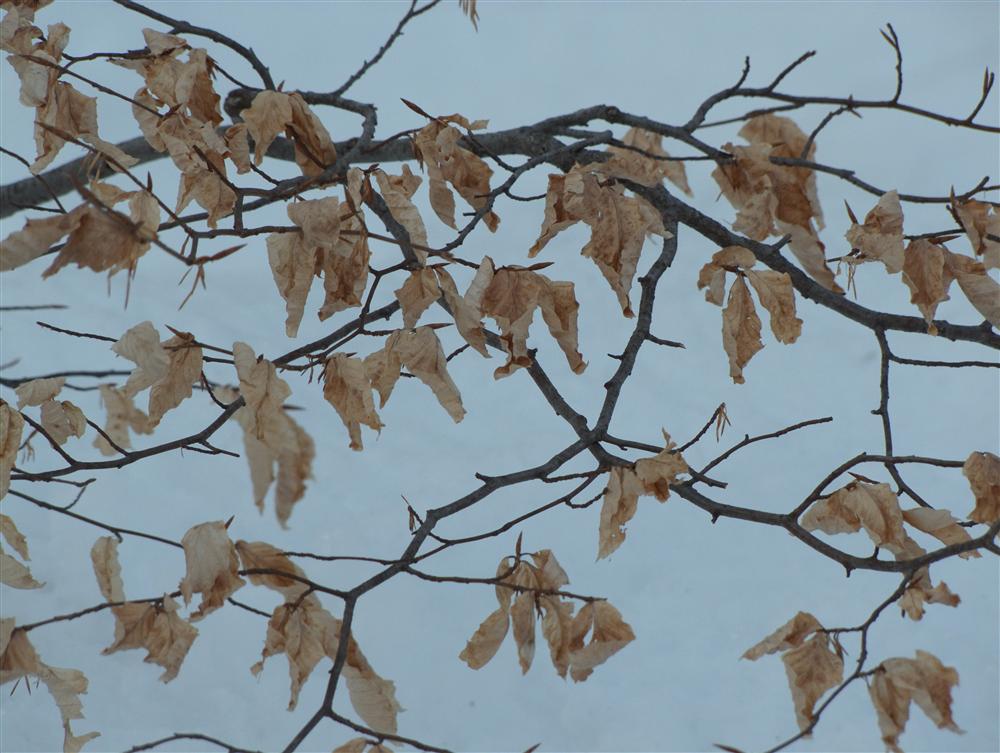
{"points": [[697, 595]]}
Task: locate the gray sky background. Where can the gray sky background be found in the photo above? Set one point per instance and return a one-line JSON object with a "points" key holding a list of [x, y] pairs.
{"points": [[697, 595]]}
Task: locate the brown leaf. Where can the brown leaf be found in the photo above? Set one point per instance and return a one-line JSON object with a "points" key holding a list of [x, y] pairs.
{"points": [[419, 350], [609, 634], [980, 219], [38, 391], [658, 472], [347, 389], [293, 265], [13, 537], [417, 294], [157, 628], [104, 558], [183, 370], [268, 115], [775, 292], [11, 426], [982, 469], [740, 329], [485, 642], [812, 670], [264, 394], [468, 319], [16, 575], [874, 507], [880, 238], [122, 416], [314, 149], [621, 499], [345, 269], [790, 635], [61, 420], [941, 525], [35, 239], [631, 165], [396, 190], [924, 680], [372, 696], [259, 555], [982, 290], [141, 345], [927, 276], [212, 565]]}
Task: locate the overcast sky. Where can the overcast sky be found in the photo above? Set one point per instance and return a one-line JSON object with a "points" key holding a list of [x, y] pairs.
{"points": [[697, 595]]}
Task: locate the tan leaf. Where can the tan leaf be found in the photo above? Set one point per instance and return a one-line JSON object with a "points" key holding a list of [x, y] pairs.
{"points": [[157, 628], [141, 345], [982, 290], [19, 659], [239, 147], [874, 507], [419, 350], [61, 420], [927, 276], [183, 370], [621, 499], [812, 670], [713, 274], [35, 239], [268, 115], [259, 555], [346, 388], [790, 635], [122, 415], [293, 265], [397, 190], [38, 391], [436, 146], [264, 394], [924, 680], [345, 269], [619, 225], [294, 469], [982, 469], [740, 329], [811, 253], [557, 622], [941, 525], [13, 537], [775, 292], [104, 558], [922, 590], [485, 642], [980, 219], [319, 220], [16, 575], [881, 236], [640, 168], [212, 565], [609, 634], [658, 472], [301, 633], [11, 426], [468, 319], [522, 617], [372, 696], [314, 149], [208, 189], [416, 295]]}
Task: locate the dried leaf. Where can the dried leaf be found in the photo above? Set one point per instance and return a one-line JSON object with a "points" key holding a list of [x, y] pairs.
{"points": [[740, 329], [397, 190], [212, 567], [927, 276], [16, 575], [314, 149], [790, 635], [104, 557], [640, 168], [38, 391], [812, 670], [141, 345], [184, 366], [609, 634], [924, 680], [980, 219], [941, 525], [468, 319], [982, 469], [419, 350], [775, 292], [268, 115], [372, 696], [658, 472], [345, 269], [621, 499], [13, 537], [416, 295], [11, 426], [880, 238], [485, 642], [122, 415], [61, 420], [874, 507], [346, 388], [157, 628], [982, 290], [293, 265], [35, 239], [264, 394], [259, 555]]}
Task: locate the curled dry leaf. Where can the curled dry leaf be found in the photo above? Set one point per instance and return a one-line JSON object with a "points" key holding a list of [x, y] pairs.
{"points": [[740, 329], [212, 566], [122, 416], [107, 570], [982, 290], [419, 350], [880, 238], [15, 574], [982, 469], [259, 555], [609, 634], [426, 285], [927, 276], [619, 225], [157, 628], [510, 295], [941, 525], [11, 426], [775, 292], [293, 265], [18, 658], [347, 389], [648, 168], [790, 635], [812, 670], [874, 507], [899, 681], [396, 190], [648, 476], [141, 345], [61, 419], [184, 364], [345, 268], [436, 148], [13, 537], [980, 220], [38, 391]]}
